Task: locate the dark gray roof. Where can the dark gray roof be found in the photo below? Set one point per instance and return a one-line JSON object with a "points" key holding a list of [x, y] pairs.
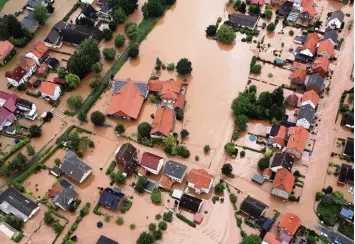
{"points": [[338, 14], [306, 112], [349, 147], [253, 207], [33, 3], [149, 186], [274, 129], [175, 169], [105, 240], [53, 37], [243, 20], [110, 198], [330, 34], [285, 9], [282, 159], [74, 168], [18, 201], [258, 178], [190, 203], [105, 7], [347, 213], [316, 80], [30, 23], [56, 170], [346, 174], [349, 119], [90, 12], [65, 197], [127, 152]]}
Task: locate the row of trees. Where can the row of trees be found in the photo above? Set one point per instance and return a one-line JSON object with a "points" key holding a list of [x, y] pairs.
{"points": [[155, 8], [12, 30]]}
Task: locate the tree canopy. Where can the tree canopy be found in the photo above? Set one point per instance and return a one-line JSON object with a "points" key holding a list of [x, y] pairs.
{"points": [[133, 50], [227, 169], [98, 118], [139, 187], [145, 238], [251, 239], [271, 27], [155, 196], [153, 9], [184, 66], [226, 34], [263, 163], [109, 53], [75, 101], [144, 129], [241, 122], [40, 13], [211, 30], [35, 131], [127, 5], [72, 81], [119, 40]]}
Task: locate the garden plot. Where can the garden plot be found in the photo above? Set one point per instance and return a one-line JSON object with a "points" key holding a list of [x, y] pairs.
{"points": [[36, 186], [273, 75]]}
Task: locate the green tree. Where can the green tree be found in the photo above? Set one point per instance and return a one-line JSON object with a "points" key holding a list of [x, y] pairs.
{"points": [[219, 188], [162, 225], [40, 14], [242, 8], [98, 118], [268, 13], [319, 195], [119, 40], [184, 66], [4, 170], [255, 69], [237, 5], [168, 216], [271, 27], [254, 9], [144, 129], [206, 148], [19, 162], [109, 53], [14, 222], [120, 178], [58, 228], [155, 196], [82, 117], [120, 128], [132, 226], [72, 81], [132, 31], [48, 219], [182, 151], [94, 82], [157, 234], [211, 30], [153, 9], [128, 5], [233, 198], [179, 114], [119, 15], [145, 238], [230, 148], [184, 133], [107, 34], [75, 101], [251, 239], [278, 96], [133, 50], [241, 122], [344, 107], [30, 150], [263, 163], [226, 34], [227, 169], [96, 67], [73, 140], [351, 98], [119, 220], [152, 227], [139, 187], [35, 131]]}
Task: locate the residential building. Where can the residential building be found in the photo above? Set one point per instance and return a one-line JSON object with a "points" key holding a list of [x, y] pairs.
{"points": [[292, 100], [331, 35], [310, 97], [277, 136], [309, 47], [179, 102], [30, 22], [163, 122], [50, 91], [326, 49], [8, 230], [166, 182], [7, 51], [13, 202], [127, 156], [315, 82], [151, 162], [288, 226], [104, 239], [22, 72], [347, 214], [112, 198], [169, 92], [65, 195], [175, 171], [88, 16], [321, 66], [104, 10], [54, 78], [283, 183], [39, 52], [74, 168], [305, 116], [71, 34], [258, 2], [15, 105], [349, 147], [41, 71], [33, 3], [285, 9], [281, 161], [200, 180], [269, 238], [348, 120], [243, 21], [307, 11], [253, 207], [190, 203], [346, 175], [127, 99], [336, 19], [298, 76], [297, 140], [6, 118]]}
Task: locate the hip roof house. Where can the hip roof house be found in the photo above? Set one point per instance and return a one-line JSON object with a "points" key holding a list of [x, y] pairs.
{"points": [[175, 171], [297, 141], [151, 162], [200, 181], [7, 51], [336, 19], [305, 116], [283, 183], [127, 156], [163, 122], [253, 207], [75, 168], [243, 20], [190, 203]]}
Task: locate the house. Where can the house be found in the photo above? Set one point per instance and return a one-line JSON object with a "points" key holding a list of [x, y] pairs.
{"points": [[283, 183], [39, 52], [270, 238], [33, 3], [54, 78], [307, 11], [8, 230], [348, 120], [13, 202], [292, 100], [151, 162], [243, 21], [297, 141], [346, 175], [321, 66], [104, 239], [253, 207], [127, 99], [111, 198], [285, 9], [30, 22], [166, 182], [7, 51], [288, 226], [169, 92], [336, 19], [71, 34], [310, 97], [305, 116], [347, 214], [326, 49], [88, 13], [22, 72], [50, 91], [65, 196], [331, 35], [163, 122], [127, 156], [281, 161], [52, 63], [200, 181], [277, 136], [298, 76], [175, 171], [6, 118], [104, 9], [349, 147], [41, 71], [16, 105], [264, 225], [190, 203], [258, 2], [179, 102], [315, 83], [309, 47], [74, 168], [268, 174]]}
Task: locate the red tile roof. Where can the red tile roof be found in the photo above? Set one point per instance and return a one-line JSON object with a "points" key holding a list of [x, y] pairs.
{"points": [[198, 218], [47, 88], [267, 172], [297, 138], [200, 178], [142, 171], [180, 102], [311, 42], [150, 160], [284, 180], [310, 96], [291, 222], [38, 49], [55, 190], [51, 77], [166, 182], [6, 115], [297, 65], [16, 74], [127, 101], [321, 64], [307, 6], [280, 137], [163, 121], [10, 101], [258, 2], [156, 85], [5, 48], [299, 74], [27, 63], [326, 46], [170, 90], [271, 239]]}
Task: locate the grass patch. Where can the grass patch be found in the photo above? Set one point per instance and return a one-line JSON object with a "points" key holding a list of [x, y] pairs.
{"points": [[2, 3], [346, 229], [328, 211]]}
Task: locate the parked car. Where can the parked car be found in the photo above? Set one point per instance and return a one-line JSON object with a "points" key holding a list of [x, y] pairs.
{"points": [[37, 83]]}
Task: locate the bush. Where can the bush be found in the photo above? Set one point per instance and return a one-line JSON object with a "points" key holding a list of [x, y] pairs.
{"points": [[58, 228], [157, 234], [219, 188], [263, 163], [235, 135], [233, 198], [98, 118], [132, 30], [241, 122], [211, 30], [186, 220], [96, 67], [145, 238], [319, 195], [48, 219], [227, 169], [180, 114], [72, 81], [206, 149], [94, 82], [107, 218], [119, 40], [155, 196], [153, 9], [119, 220], [182, 151], [152, 227], [107, 34], [271, 27], [144, 129], [162, 225], [230, 148], [139, 187], [132, 226], [184, 66], [119, 15], [133, 50], [30, 150], [170, 66], [75, 101], [120, 129], [109, 53], [242, 154], [168, 216], [35, 131], [291, 32], [226, 34]]}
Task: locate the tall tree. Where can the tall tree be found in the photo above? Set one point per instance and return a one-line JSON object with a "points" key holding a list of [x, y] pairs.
{"points": [[41, 14]]}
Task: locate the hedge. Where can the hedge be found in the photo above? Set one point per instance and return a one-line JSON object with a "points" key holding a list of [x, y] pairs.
{"points": [[19, 237], [15, 148], [186, 220], [111, 168], [65, 133], [18, 186], [96, 209], [34, 94], [83, 212]]}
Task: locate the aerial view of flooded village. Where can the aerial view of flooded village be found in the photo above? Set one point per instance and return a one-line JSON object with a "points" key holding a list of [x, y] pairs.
{"points": [[177, 121]]}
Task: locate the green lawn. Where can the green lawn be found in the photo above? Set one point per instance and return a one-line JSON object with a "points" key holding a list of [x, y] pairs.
{"points": [[2, 3], [328, 212], [347, 229]]}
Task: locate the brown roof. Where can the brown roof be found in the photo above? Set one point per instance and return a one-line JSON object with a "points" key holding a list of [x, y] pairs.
{"points": [[311, 42], [267, 172], [299, 74], [32, 80], [27, 63], [150, 160], [297, 138], [16, 74], [271, 239], [291, 222], [200, 178], [292, 100], [5, 48], [284, 180], [47, 88], [170, 90], [180, 102], [142, 171], [280, 137], [321, 64], [55, 190], [166, 182], [310, 96], [326, 46], [42, 68], [127, 101], [307, 6], [156, 85], [51, 77], [163, 121], [38, 49]]}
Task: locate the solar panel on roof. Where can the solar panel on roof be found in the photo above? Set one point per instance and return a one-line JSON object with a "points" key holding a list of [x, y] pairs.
{"points": [[142, 86]]}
